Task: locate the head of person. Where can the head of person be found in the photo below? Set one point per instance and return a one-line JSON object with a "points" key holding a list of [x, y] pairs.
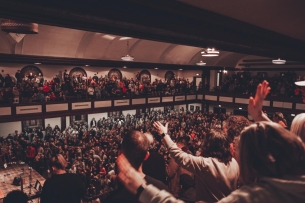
{"points": [[57, 163], [16, 196], [135, 147], [278, 116], [298, 126], [217, 145], [268, 150], [181, 142], [234, 125]]}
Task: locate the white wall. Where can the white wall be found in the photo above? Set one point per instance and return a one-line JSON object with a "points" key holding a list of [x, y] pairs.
{"points": [[9, 128], [97, 117], [67, 121], [53, 122], [131, 112]]}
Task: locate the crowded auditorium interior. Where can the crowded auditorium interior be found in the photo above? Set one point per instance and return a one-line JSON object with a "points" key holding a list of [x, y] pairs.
{"points": [[131, 101]]}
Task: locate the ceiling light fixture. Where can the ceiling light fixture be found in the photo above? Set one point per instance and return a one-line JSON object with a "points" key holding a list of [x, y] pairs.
{"points": [[209, 52], [124, 67], [278, 61], [156, 68], [37, 63], [127, 57], [180, 69], [201, 63], [87, 65]]}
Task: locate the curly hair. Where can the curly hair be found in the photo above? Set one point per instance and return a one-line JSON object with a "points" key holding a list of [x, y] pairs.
{"points": [[235, 125], [217, 146]]}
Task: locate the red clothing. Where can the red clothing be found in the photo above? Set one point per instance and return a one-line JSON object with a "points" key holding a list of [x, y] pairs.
{"points": [[46, 88], [103, 171], [124, 90], [31, 152]]}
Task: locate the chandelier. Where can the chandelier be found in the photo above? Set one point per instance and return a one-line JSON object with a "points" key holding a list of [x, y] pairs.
{"points": [[201, 63], [127, 57], [209, 52]]}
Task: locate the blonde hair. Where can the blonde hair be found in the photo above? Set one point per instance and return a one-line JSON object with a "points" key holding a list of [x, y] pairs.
{"points": [[298, 126], [268, 150]]}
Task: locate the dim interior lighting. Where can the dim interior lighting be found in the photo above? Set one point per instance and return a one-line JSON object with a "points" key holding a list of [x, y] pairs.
{"points": [[219, 105], [292, 114], [87, 65], [209, 52], [224, 70], [156, 68], [124, 66], [180, 69], [278, 61], [197, 74], [240, 108], [37, 63], [127, 57]]}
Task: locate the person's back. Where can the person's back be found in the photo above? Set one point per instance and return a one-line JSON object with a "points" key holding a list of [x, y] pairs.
{"points": [[266, 190], [154, 166], [62, 188]]}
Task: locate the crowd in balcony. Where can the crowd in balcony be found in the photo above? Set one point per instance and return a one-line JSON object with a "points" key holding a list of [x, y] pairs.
{"points": [[34, 88], [91, 148], [246, 83]]}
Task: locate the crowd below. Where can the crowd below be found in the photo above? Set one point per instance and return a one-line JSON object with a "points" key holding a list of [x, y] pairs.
{"points": [[91, 149], [34, 88]]}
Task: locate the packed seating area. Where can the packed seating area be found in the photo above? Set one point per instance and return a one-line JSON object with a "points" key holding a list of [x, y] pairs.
{"points": [[91, 148], [34, 88], [246, 83]]}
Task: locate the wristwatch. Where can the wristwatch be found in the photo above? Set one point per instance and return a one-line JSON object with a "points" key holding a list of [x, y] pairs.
{"points": [[162, 135], [140, 190]]}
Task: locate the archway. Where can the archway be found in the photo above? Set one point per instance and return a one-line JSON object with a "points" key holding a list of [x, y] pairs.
{"points": [[27, 70], [145, 76], [77, 71], [114, 74], [169, 75]]}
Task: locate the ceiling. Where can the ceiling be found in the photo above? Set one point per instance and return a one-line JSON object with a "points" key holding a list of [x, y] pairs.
{"points": [[175, 42], [282, 16]]}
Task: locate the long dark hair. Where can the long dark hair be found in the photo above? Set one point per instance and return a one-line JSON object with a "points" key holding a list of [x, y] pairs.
{"points": [[216, 145]]}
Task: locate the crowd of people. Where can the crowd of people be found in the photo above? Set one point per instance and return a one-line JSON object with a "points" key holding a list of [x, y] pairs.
{"points": [[246, 83], [207, 157], [34, 88], [91, 149]]}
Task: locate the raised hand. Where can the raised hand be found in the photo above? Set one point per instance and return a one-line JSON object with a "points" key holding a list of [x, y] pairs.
{"points": [[255, 106], [130, 178], [161, 128]]}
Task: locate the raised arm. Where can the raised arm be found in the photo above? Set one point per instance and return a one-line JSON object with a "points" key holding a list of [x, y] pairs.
{"points": [[189, 162], [135, 183], [255, 106]]}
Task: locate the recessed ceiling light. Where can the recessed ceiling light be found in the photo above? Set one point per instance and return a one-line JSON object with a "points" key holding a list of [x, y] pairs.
{"points": [[87, 65], [37, 63], [156, 68], [240, 108], [219, 105], [124, 67], [180, 69], [197, 74]]}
